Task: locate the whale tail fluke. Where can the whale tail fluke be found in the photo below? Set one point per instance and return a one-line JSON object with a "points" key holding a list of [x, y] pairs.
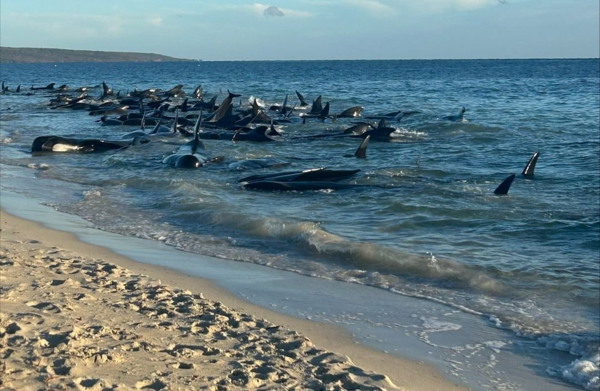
{"points": [[361, 152], [530, 167], [505, 186]]}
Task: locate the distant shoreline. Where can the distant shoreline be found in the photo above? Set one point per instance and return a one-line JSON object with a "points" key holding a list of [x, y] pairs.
{"points": [[10, 55]]}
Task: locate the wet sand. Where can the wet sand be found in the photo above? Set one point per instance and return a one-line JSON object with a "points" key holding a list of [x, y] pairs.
{"points": [[76, 315]]}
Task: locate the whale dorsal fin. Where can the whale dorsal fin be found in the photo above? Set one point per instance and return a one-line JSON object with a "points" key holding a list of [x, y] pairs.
{"points": [[284, 109], [530, 167], [290, 112], [317, 106], [273, 131], [505, 186], [361, 152], [382, 124], [197, 127], [325, 111], [301, 99], [176, 120]]}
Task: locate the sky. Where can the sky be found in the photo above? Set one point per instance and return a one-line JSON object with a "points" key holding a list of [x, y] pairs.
{"points": [[309, 29]]}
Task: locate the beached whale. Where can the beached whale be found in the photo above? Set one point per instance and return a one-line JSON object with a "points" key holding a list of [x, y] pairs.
{"points": [[187, 156], [64, 144], [314, 174]]}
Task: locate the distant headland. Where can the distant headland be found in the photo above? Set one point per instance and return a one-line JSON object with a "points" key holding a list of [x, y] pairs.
{"points": [[41, 55]]}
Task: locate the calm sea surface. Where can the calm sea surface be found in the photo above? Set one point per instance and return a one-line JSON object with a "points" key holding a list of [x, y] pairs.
{"points": [[432, 226]]}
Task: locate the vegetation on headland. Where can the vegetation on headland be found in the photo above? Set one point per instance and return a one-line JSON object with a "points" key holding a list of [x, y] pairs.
{"points": [[41, 55]]}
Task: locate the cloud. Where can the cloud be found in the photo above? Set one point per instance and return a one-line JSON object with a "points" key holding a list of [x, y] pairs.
{"points": [[155, 21], [272, 11]]}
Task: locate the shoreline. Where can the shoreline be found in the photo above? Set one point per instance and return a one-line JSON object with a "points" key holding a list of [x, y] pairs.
{"points": [[404, 373]]}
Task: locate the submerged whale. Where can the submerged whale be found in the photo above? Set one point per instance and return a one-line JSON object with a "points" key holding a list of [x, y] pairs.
{"points": [[48, 87], [314, 174], [298, 186], [460, 117]]}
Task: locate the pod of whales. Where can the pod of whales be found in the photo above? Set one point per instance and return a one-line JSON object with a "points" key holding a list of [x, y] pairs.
{"points": [[227, 121]]}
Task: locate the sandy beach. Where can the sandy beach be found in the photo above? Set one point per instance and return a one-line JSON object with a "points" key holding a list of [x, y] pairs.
{"points": [[78, 316]]}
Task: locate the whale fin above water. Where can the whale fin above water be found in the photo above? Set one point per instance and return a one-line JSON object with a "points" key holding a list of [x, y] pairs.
{"points": [[301, 99], [361, 152], [284, 108], [290, 112], [317, 106], [530, 167], [505, 185]]}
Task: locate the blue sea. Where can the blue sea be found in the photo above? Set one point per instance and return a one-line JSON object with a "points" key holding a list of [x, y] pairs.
{"points": [[427, 225]]}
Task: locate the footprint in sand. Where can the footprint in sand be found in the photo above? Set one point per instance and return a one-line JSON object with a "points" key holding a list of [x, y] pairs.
{"points": [[45, 307]]}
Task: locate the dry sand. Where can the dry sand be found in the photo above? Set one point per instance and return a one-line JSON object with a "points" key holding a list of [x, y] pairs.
{"points": [[78, 316]]}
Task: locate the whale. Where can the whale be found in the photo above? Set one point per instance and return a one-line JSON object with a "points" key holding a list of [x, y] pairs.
{"points": [[361, 151], [187, 156], [460, 117], [297, 186], [352, 112], [356, 129], [105, 121], [380, 133], [529, 169], [394, 115], [313, 174], [64, 144], [301, 99], [225, 109], [175, 91], [281, 109], [250, 164], [317, 106], [504, 187], [48, 87], [258, 134]]}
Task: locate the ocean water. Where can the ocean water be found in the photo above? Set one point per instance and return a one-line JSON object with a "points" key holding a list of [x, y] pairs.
{"points": [[429, 226]]}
